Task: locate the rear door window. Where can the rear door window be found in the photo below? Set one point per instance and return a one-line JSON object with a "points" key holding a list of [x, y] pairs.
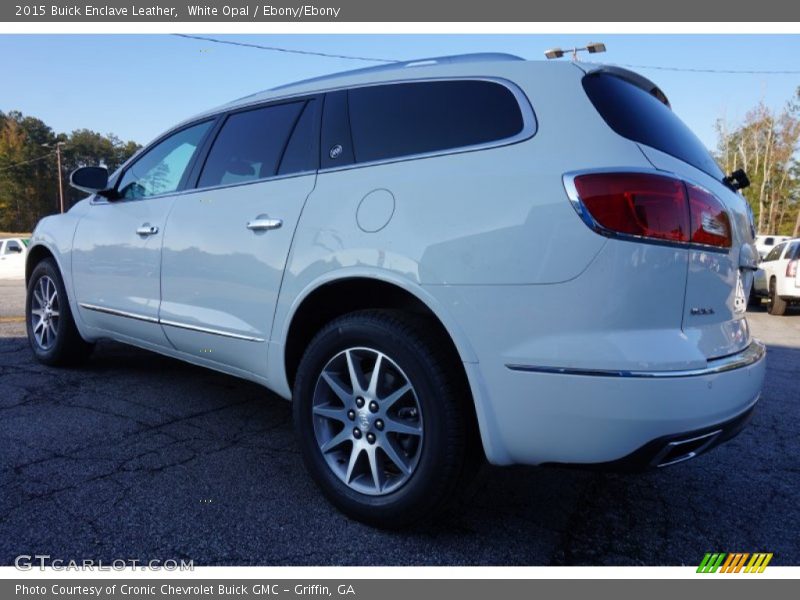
{"points": [[641, 117], [250, 145], [406, 119]]}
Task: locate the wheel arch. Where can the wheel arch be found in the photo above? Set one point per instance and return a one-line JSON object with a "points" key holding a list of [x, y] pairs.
{"points": [[347, 292], [36, 254], [338, 295]]}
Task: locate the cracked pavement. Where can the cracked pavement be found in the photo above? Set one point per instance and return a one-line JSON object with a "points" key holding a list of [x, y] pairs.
{"points": [[140, 456]]}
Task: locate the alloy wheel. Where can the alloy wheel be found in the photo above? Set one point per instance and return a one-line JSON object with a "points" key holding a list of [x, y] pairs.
{"points": [[45, 312], [367, 421]]}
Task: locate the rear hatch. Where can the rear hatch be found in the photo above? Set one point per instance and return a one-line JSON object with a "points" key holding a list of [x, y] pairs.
{"points": [[721, 250]]}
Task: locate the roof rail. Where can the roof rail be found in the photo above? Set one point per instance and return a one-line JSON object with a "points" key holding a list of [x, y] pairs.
{"points": [[438, 60]]}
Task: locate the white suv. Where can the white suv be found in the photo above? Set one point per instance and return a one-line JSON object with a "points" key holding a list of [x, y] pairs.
{"points": [[765, 243], [436, 262], [777, 277]]}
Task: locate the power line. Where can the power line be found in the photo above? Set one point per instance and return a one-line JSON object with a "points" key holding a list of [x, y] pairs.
{"points": [[721, 71], [286, 50], [25, 162]]}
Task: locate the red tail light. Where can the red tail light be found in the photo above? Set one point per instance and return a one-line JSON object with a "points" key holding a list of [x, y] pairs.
{"points": [[654, 206], [791, 268]]}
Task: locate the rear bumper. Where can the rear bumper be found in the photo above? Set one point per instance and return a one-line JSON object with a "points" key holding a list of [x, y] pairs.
{"points": [[677, 448], [619, 419]]}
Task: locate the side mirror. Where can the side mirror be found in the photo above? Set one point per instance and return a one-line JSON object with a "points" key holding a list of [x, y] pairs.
{"points": [[15, 250], [92, 180]]}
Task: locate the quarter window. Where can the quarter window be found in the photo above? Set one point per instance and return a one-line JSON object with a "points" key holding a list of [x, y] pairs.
{"points": [[161, 168], [251, 144], [390, 121]]}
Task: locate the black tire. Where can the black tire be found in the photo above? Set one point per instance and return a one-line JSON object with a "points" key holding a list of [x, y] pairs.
{"points": [[777, 305], [447, 450], [66, 347]]}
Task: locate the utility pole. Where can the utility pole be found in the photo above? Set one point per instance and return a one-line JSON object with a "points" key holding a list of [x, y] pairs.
{"points": [[60, 177]]}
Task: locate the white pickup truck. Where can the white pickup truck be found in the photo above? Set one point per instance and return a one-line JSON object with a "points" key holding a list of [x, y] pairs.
{"points": [[12, 257]]}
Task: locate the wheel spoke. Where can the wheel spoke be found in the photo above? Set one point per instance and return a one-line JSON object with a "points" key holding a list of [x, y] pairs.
{"points": [[355, 380], [402, 427], [336, 441], [374, 468], [54, 313], [395, 396], [342, 393], [37, 295], [375, 377], [354, 454], [394, 456], [334, 413], [37, 311]]}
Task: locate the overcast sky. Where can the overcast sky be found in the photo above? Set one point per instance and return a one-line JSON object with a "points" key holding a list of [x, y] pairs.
{"points": [[137, 86]]}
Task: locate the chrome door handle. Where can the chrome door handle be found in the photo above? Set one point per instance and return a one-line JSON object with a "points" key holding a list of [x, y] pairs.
{"points": [[147, 230], [263, 224]]}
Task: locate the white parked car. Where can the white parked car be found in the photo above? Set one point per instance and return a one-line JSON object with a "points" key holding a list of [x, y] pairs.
{"points": [[463, 257], [777, 277], [765, 243], [12, 258]]}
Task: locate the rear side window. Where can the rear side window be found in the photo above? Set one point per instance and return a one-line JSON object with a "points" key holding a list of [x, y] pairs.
{"points": [[769, 241], [250, 145], [391, 121], [639, 116]]}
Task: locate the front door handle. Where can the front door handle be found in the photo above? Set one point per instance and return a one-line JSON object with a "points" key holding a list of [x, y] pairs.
{"points": [[263, 223], [147, 229]]}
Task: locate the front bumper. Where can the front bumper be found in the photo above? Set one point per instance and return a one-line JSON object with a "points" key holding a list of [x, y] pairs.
{"points": [[588, 417]]}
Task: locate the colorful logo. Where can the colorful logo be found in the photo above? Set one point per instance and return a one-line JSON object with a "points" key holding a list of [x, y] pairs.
{"points": [[734, 562]]}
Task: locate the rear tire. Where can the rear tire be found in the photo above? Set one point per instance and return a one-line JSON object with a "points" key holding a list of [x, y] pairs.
{"points": [[777, 305], [52, 334], [352, 435]]}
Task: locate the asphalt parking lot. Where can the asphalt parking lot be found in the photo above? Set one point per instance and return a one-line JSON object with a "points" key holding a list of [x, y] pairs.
{"points": [[140, 456]]}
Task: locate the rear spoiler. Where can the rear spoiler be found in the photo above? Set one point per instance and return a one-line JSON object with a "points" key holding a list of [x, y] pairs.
{"points": [[643, 83]]}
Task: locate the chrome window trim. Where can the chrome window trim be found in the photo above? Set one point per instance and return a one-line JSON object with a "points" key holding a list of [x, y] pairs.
{"points": [[529, 129], [529, 122], [158, 321], [568, 180], [749, 356]]}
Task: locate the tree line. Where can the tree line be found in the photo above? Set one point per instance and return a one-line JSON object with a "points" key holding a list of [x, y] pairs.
{"points": [[765, 145], [29, 172]]}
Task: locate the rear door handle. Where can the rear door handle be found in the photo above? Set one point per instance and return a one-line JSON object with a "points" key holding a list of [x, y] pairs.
{"points": [[147, 229], [263, 224]]}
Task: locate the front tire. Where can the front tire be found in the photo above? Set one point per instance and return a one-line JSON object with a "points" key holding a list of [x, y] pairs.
{"points": [[777, 305], [52, 334], [382, 419]]}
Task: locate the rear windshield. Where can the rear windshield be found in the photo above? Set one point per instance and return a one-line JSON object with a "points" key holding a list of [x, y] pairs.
{"points": [[639, 116]]}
